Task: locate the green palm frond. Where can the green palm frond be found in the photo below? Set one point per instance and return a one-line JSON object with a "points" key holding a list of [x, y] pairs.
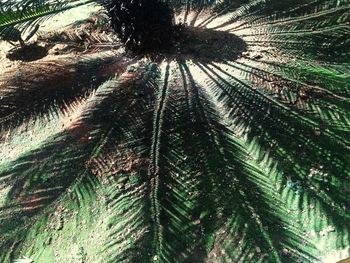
{"points": [[242, 158]]}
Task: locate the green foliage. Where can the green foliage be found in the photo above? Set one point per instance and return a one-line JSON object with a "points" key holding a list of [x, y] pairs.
{"points": [[244, 159]]}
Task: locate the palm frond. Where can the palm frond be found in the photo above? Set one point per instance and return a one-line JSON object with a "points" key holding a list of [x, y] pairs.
{"points": [[239, 158]]}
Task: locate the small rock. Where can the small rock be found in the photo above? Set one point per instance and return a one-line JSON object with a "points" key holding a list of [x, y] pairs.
{"points": [[285, 251], [197, 222], [327, 230], [317, 133]]}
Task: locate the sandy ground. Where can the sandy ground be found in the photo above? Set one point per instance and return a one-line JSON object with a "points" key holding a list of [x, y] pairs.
{"points": [[59, 23]]}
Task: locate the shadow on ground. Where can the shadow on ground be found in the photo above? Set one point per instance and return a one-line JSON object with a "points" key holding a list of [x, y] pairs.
{"points": [[202, 45], [27, 53]]}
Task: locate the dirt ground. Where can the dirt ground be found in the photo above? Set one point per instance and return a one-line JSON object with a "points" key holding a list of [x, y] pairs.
{"points": [[60, 43], [76, 31]]}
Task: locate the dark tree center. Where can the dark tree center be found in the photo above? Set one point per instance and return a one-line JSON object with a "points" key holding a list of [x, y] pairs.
{"points": [[142, 25]]}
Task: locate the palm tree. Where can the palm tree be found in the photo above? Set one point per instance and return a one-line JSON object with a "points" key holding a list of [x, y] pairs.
{"points": [[228, 142]]}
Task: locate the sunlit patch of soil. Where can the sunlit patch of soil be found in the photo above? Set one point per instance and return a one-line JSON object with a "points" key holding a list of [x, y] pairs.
{"points": [[90, 35], [85, 37]]}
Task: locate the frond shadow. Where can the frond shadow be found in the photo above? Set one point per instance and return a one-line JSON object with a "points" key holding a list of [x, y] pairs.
{"points": [[52, 85]]}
